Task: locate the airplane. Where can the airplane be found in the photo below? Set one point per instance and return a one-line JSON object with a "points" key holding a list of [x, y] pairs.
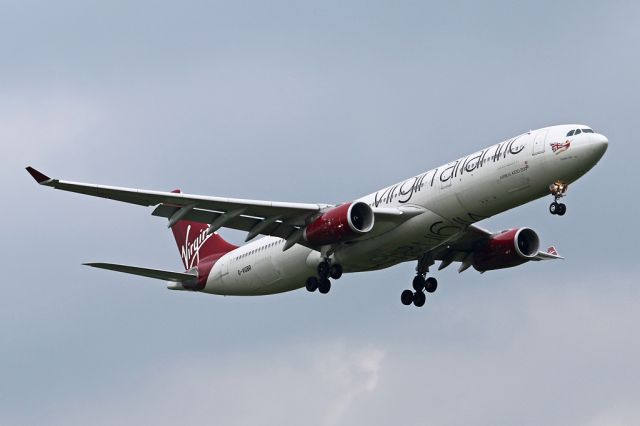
{"points": [[425, 219]]}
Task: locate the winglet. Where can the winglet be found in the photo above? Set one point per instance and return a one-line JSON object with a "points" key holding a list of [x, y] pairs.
{"points": [[39, 177], [552, 250]]}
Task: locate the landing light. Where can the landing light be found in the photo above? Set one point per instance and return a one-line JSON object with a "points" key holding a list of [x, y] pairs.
{"points": [[558, 188]]}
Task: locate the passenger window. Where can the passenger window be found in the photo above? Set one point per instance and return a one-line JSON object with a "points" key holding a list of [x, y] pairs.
{"points": [[578, 132], [570, 133]]}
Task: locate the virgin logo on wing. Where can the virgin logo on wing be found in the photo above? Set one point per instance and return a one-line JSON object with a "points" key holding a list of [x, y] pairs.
{"points": [[190, 252]]}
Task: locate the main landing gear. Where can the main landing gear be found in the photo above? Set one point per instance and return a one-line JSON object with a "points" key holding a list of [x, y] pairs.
{"points": [[325, 270], [420, 285], [558, 190]]}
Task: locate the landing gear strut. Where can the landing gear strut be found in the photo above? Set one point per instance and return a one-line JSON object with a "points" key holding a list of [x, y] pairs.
{"points": [[421, 284], [326, 269], [558, 190]]}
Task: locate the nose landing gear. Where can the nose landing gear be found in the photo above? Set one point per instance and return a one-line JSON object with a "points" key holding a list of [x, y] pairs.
{"points": [[558, 190], [557, 208]]}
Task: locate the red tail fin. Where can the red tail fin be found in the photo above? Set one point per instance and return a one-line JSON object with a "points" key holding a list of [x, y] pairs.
{"points": [[194, 244]]}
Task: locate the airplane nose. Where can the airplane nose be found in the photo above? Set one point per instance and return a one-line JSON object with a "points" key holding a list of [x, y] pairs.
{"points": [[600, 144]]}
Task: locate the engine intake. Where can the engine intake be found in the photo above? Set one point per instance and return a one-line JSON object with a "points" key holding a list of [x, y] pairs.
{"points": [[341, 223], [506, 249]]}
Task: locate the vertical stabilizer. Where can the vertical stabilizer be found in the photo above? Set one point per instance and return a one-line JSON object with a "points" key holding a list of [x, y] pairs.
{"points": [[194, 244]]}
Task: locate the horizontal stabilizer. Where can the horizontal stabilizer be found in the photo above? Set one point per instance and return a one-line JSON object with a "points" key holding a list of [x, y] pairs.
{"points": [[158, 274]]}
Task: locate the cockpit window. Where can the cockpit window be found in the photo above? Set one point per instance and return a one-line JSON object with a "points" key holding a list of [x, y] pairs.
{"points": [[575, 132]]}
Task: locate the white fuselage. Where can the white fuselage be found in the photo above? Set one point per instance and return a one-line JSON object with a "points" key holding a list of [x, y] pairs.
{"points": [[452, 197]]}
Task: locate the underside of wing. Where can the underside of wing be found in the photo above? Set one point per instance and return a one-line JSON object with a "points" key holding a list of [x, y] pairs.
{"points": [[486, 250], [459, 248]]}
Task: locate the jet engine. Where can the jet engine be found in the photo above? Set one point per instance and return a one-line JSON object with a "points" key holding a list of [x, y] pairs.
{"points": [[341, 223], [506, 249]]}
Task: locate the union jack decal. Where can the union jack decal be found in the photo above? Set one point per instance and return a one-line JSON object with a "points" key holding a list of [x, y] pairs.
{"points": [[557, 148]]}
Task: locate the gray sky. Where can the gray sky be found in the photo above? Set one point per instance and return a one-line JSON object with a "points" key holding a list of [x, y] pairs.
{"points": [[321, 102]]}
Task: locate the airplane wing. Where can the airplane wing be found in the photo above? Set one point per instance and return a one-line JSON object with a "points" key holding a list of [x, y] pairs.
{"points": [[279, 219], [254, 216], [550, 254], [460, 249]]}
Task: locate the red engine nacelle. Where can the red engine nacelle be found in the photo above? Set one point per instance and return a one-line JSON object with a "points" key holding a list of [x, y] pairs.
{"points": [[506, 249], [339, 224]]}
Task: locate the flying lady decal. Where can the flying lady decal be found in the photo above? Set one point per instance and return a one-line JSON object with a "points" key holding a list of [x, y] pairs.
{"points": [[557, 148]]}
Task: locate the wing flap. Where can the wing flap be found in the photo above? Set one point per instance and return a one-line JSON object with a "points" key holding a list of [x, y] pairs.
{"points": [[242, 223]]}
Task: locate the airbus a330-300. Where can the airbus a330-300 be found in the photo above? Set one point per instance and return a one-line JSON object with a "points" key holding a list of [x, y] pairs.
{"points": [[425, 219]]}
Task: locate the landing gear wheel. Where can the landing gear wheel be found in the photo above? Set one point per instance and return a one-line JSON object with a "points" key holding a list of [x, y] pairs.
{"points": [[562, 209], [335, 271], [558, 189], [312, 284], [431, 284], [418, 283], [406, 297], [324, 285], [419, 298], [323, 269]]}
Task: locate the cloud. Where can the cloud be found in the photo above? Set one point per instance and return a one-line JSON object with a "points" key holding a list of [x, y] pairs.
{"points": [[618, 415], [569, 359], [352, 373], [315, 384]]}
